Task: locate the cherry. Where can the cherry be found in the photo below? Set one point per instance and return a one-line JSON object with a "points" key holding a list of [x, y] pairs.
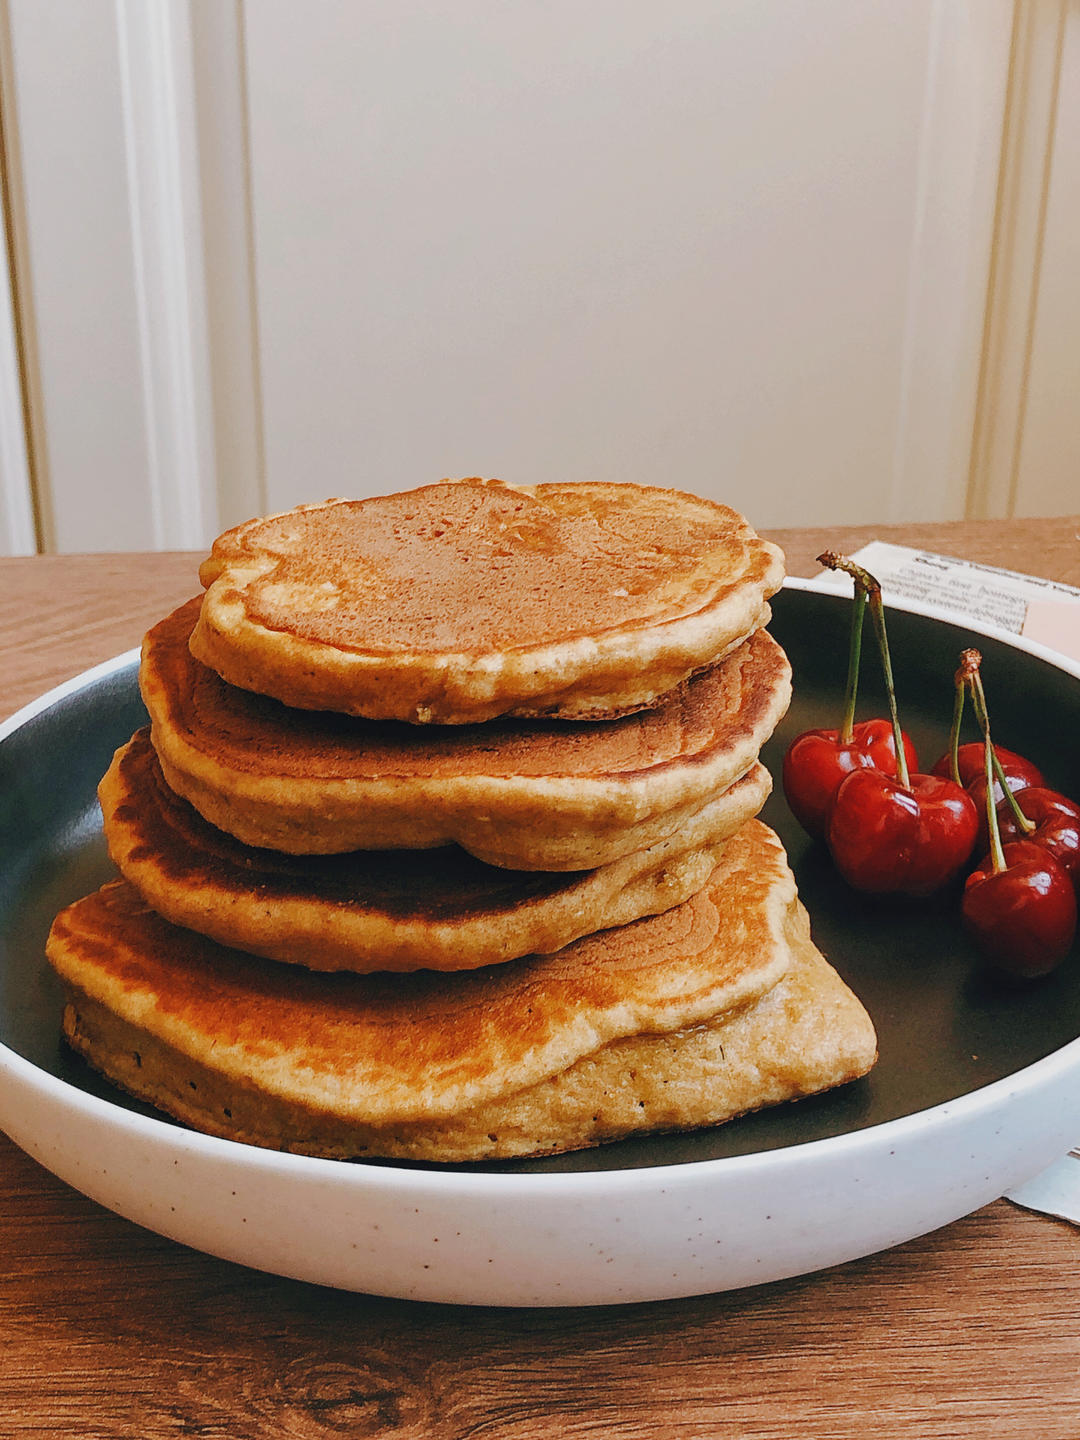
{"points": [[1019, 904], [1020, 907], [976, 788], [909, 834], [893, 836], [1055, 826], [970, 767], [818, 760], [1018, 774], [966, 763]]}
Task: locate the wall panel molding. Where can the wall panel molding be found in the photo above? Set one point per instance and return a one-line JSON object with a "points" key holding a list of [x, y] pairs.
{"points": [[122, 311], [18, 524], [220, 81], [161, 141], [263, 241], [77, 293], [1048, 475], [1013, 290], [17, 528]]}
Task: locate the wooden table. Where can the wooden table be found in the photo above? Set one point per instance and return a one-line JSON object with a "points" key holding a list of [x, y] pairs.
{"points": [[107, 1330]]}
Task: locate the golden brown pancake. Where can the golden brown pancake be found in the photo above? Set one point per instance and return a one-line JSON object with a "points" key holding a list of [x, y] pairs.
{"points": [[471, 599], [380, 910], [527, 795], [719, 1005]]}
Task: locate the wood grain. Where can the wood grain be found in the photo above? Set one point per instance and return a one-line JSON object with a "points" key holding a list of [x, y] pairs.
{"points": [[1050, 548], [109, 1331]]}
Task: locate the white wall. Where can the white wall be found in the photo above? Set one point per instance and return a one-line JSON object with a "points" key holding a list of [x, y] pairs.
{"points": [[270, 251], [671, 244]]}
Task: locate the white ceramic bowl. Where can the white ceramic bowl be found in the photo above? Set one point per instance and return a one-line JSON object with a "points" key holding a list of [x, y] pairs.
{"points": [[550, 1239], [522, 1236]]}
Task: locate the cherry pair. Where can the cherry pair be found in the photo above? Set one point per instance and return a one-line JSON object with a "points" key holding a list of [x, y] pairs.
{"points": [[890, 830], [1020, 902]]}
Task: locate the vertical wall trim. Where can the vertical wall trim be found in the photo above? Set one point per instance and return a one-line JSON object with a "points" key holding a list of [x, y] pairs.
{"points": [[220, 69], [19, 528], [251, 269], [967, 74], [1013, 289], [18, 533], [161, 144]]}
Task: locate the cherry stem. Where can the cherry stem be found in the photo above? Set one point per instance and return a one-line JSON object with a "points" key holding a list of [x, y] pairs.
{"points": [[959, 691], [997, 854], [978, 697], [968, 676], [865, 582], [851, 689]]}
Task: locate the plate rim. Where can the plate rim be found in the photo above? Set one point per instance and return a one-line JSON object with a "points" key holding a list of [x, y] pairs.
{"points": [[360, 1176], [450, 1183]]}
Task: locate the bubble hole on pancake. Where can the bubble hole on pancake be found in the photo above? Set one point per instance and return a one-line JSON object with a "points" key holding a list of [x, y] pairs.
{"points": [[470, 599], [377, 910], [526, 795]]}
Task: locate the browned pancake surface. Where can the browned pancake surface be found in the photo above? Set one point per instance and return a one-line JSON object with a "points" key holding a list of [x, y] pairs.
{"points": [[471, 599], [437, 885], [478, 567], [380, 910], [725, 707], [806, 1034], [410, 1046]]}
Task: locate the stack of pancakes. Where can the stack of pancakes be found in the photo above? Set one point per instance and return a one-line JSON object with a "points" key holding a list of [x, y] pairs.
{"points": [[441, 843]]}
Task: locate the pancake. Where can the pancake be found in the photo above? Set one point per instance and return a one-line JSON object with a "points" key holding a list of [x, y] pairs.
{"points": [[526, 795], [718, 1006], [384, 910], [471, 599]]}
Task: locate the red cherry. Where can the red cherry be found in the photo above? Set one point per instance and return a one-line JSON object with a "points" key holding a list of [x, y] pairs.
{"points": [[971, 762], [1022, 915], [1019, 775], [1018, 783], [1057, 826], [886, 838], [817, 760]]}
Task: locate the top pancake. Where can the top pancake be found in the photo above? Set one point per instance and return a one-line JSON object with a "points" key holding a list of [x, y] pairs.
{"points": [[471, 599]]}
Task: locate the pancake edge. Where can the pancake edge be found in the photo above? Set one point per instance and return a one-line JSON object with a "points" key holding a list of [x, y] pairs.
{"points": [[590, 676], [376, 1085], [548, 822], [328, 935], [727, 1067]]}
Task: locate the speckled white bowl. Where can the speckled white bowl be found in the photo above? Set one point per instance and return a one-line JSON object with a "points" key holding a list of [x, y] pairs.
{"points": [[546, 1237], [550, 1239]]}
